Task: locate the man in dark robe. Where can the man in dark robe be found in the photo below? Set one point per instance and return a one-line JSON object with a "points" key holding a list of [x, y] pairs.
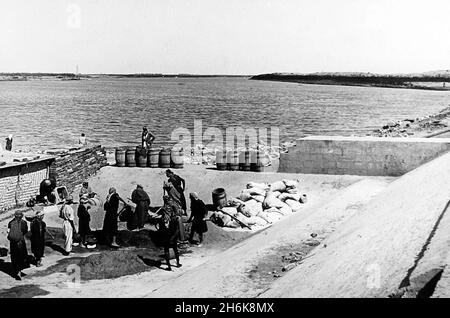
{"points": [[38, 229], [142, 201], [17, 228], [180, 185]]}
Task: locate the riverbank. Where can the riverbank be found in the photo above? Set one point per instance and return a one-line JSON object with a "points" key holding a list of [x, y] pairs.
{"points": [[433, 125], [436, 81]]}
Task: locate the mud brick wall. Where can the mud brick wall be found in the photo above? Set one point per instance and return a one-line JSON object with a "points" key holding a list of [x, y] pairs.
{"points": [[367, 156], [18, 183], [71, 168]]}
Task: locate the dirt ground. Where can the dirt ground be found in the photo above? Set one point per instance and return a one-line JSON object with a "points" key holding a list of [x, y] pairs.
{"points": [[139, 272]]}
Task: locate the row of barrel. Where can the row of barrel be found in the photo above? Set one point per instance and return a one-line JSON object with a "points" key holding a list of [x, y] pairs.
{"points": [[244, 160], [151, 158]]}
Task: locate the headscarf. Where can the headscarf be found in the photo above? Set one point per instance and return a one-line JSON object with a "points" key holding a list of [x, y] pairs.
{"points": [[112, 190]]}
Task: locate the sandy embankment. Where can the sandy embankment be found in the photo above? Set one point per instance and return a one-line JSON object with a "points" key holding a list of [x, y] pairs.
{"points": [[318, 187], [400, 236]]}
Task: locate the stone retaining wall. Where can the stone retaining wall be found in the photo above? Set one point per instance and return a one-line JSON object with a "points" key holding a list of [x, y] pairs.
{"points": [[370, 156], [71, 168]]}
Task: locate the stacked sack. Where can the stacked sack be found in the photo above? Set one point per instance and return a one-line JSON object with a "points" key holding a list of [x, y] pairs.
{"points": [[262, 204]]}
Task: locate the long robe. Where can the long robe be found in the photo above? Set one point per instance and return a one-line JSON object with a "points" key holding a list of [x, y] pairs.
{"points": [[68, 216], [18, 247], [198, 213], [142, 201], [38, 228], [110, 227]]}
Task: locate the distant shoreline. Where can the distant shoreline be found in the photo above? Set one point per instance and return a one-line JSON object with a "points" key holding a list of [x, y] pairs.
{"points": [[71, 76], [423, 82]]}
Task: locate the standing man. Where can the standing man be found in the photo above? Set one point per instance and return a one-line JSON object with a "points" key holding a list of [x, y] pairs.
{"points": [[180, 185], [9, 142], [68, 215], [38, 229], [142, 201], [17, 228], [147, 138]]}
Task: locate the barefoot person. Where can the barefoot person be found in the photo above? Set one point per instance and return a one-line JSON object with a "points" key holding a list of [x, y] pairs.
{"points": [[170, 230], [38, 229], [111, 206], [198, 218], [17, 228]]}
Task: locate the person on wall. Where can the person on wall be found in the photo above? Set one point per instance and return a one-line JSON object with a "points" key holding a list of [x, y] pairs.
{"points": [[9, 143], [147, 138]]}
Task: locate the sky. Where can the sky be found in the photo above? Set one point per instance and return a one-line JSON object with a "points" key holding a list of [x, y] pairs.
{"points": [[224, 36]]}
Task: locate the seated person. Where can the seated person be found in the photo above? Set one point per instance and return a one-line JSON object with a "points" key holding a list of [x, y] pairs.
{"points": [[46, 191]]}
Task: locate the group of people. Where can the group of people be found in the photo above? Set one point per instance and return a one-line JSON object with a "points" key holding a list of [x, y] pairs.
{"points": [[169, 220], [17, 229]]}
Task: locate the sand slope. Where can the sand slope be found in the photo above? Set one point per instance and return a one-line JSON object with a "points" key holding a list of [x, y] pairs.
{"points": [[227, 274], [371, 254]]}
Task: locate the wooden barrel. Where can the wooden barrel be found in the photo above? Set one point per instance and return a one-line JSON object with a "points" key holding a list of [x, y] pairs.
{"points": [[131, 157], [244, 160], [221, 160], [120, 157], [177, 158], [141, 156], [233, 160], [219, 198], [255, 161], [153, 157], [164, 158]]}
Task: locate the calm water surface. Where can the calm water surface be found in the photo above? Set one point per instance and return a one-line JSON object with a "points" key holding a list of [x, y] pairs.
{"points": [[52, 114]]}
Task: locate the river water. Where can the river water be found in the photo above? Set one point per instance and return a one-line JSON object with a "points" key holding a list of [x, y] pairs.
{"points": [[52, 114]]}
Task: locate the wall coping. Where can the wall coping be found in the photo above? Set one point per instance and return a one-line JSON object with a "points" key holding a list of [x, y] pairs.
{"points": [[377, 139]]}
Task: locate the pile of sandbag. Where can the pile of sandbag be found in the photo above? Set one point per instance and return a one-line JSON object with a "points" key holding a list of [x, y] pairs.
{"points": [[261, 204]]}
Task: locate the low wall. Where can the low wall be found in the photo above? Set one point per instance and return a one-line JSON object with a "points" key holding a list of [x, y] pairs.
{"points": [[20, 181], [71, 168], [370, 156]]}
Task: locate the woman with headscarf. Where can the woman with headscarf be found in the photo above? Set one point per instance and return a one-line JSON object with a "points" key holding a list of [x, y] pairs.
{"points": [[198, 218], [17, 228], [111, 206]]}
